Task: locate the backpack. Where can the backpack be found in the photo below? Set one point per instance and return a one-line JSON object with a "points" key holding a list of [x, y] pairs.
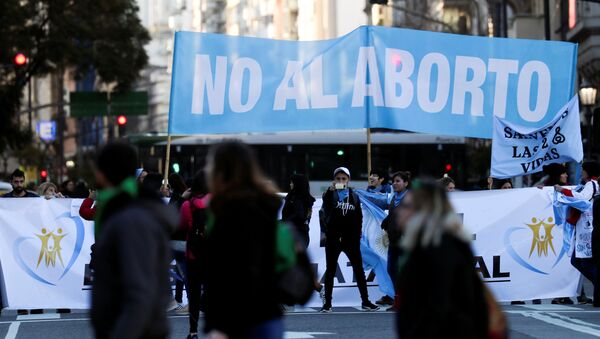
{"points": [[295, 276], [197, 233]]}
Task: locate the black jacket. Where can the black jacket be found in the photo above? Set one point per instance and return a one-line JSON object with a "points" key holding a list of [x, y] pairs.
{"points": [[342, 218], [440, 293], [131, 288], [241, 263], [296, 210]]}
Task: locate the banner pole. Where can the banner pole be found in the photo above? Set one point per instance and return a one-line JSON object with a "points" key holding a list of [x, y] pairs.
{"points": [[368, 151], [168, 160]]}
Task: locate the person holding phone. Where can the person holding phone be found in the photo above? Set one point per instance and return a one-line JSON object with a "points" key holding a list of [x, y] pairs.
{"points": [[342, 224]]}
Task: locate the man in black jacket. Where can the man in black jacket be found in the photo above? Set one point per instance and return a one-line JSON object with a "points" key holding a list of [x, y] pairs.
{"points": [[342, 225], [131, 258]]}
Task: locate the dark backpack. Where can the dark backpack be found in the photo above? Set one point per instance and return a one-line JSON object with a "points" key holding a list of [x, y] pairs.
{"points": [[197, 233]]}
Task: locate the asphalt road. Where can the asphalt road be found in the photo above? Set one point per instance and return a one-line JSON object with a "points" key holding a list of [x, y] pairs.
{"points": [[526, 321]]}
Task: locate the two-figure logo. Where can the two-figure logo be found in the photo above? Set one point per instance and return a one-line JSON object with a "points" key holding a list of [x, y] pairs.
{"points": [[537, 256], [47, 247]]}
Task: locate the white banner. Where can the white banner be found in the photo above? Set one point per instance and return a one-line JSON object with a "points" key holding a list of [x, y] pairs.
{"points": [[518, 150], [520, 252], [44, 250]]}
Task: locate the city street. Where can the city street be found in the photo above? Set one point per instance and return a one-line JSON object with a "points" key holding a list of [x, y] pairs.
{"points": [[526, 321]]}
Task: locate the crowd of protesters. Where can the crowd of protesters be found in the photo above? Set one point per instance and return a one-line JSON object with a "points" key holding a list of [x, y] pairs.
{"points": [[224, 225]]}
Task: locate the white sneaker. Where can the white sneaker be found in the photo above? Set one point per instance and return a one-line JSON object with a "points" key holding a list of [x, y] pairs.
{"points": [[172, 305], [182, 309]]}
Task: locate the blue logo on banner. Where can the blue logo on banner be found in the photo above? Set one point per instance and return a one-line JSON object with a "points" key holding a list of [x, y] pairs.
{"points": [[50, 250], [541, 245]]}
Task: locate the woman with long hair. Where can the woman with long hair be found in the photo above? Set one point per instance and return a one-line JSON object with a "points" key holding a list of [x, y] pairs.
{"points": [[297, 208], [193, 224], [440, 293], [241, 239]]}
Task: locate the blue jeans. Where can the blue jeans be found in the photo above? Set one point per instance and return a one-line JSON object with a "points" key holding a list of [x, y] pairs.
{"points": [[181, 269], [270, 329]]}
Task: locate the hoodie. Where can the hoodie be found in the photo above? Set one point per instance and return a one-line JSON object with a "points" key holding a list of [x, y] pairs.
{"points": [[131, 287]]}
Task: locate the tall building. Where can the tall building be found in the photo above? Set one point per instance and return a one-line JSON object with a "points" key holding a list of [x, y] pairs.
{"points": [[452, 16]]}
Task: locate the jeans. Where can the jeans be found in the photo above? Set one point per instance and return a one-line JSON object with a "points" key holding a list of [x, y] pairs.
{"points": [[333, 247], [270, 329], [180, 262], [588, 268], [195, 284]]}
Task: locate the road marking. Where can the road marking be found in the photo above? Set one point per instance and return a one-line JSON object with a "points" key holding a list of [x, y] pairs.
{"points": [[562, 323], [13, 329], [576, 321], [304, 335], [550, 307], [43, 316], [566, 311]]}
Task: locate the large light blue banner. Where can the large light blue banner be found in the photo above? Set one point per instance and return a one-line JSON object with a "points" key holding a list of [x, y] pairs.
{"points": [[372, 77]]}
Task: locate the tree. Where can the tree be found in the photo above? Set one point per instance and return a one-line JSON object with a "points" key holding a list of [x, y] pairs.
{"points": [[83, 35]]}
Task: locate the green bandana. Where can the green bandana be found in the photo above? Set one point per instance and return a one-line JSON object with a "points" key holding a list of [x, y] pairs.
{"points": [[128, 186]]}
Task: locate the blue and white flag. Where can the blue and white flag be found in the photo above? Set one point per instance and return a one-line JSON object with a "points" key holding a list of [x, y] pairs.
{"points": [[519, 150], [373, 77], [374, 242]]}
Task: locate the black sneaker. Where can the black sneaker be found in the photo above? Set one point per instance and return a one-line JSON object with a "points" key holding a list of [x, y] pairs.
{"points": [[385, 300], [325, 309], [584, 300], [369, 306]]}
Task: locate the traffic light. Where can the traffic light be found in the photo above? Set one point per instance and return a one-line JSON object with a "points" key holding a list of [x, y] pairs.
{"points": [[340, 152], [176, 168], [20, 59], [122, 123], [448, 168], [43, 175]]}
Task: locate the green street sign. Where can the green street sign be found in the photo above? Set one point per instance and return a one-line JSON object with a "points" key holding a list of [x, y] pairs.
{"points": [[87, 104]]}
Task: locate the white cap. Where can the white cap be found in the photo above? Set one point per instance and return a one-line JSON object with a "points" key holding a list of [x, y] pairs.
{"points": [[341, 169]]}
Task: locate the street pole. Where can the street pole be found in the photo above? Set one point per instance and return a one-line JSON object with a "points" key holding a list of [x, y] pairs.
{"points": [[109, 120], [61, 125], [588, 114], [369, 168], [29, 102], [547, 19]]}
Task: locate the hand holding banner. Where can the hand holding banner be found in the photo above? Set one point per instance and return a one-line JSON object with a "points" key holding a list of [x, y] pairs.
{"points": [[518, 150]]}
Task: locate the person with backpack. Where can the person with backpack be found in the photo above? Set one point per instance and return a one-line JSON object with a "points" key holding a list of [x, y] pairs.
{"points": [[297, 210], [342, 225], [582, 220], [193, 224], [242, 243]]}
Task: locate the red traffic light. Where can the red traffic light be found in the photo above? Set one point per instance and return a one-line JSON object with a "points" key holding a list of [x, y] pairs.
{"points": [[448, 167], [20, 59], [43, 174], [121, 120]]}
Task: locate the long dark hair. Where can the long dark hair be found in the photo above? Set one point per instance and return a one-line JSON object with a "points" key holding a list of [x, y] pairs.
{"points": [[301, 189], [177, 184], [233, 172]]}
